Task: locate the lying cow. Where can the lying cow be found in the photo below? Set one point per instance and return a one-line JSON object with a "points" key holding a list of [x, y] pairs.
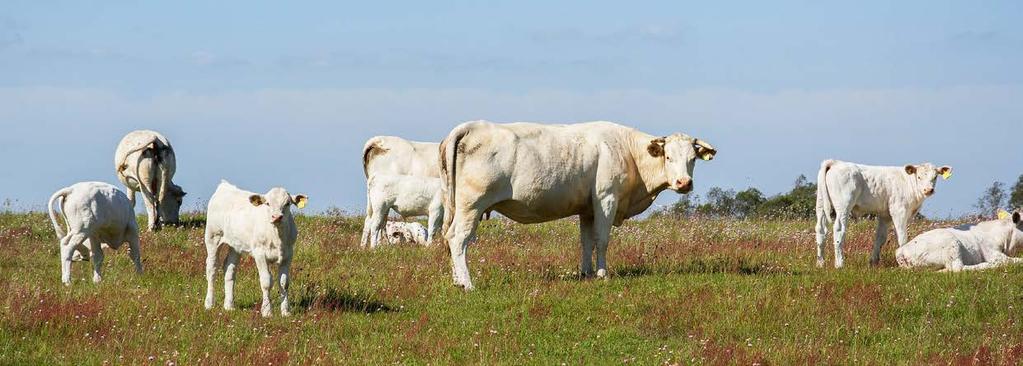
{"points": [[408, 195], [601, 171], [893, 194], [978, 246], [145, 163], [398, 156], [407, 233], [95, 213], [258, 224]]}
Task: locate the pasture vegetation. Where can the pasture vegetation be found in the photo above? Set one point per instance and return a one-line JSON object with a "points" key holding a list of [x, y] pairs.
{"points": [[711, 291]]}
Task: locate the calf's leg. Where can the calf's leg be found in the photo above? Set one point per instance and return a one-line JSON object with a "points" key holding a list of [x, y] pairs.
{"points": [[264, 284], [880, 237], [230, 267]]}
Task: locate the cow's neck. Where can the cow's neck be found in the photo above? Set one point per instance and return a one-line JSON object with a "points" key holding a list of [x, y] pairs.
{"points": [[650, 168]]}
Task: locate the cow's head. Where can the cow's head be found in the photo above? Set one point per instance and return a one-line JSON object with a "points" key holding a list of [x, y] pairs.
{"points": [[679, 153], [1016, 236], [279, 202], [171, 204], [925, 175]]}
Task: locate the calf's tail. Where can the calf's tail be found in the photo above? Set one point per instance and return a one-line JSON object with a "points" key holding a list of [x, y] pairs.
{"points": [[824, 206], [61, 194]]}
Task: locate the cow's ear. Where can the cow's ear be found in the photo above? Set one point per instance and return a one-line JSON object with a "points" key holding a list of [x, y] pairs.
{"points": [[299, 200], [945, 172], [910, 169], [656, 147], [1016, 218], [704, 150], [256, 200]]}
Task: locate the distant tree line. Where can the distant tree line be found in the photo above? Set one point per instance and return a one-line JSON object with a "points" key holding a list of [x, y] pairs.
{"points": [[801, 200]]}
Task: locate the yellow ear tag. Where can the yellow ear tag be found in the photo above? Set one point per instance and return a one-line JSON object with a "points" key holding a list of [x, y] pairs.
{"points": [[301, 202], [947, 174], [1002, 215], [707, 156]]}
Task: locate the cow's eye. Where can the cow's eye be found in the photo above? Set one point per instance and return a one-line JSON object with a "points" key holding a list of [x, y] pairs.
{"points": [[667, 158]]}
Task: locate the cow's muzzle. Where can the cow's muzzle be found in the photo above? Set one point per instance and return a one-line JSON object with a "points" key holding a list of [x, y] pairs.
{"points": [[276, 219], [928, 192], [683, 185]]}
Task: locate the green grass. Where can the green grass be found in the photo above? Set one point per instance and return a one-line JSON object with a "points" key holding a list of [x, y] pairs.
{"points": [[691, 291]]}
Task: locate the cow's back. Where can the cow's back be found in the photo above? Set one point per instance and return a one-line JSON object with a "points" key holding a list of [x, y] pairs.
{"points": [[99, 208], [127, 156], [397, 156]]}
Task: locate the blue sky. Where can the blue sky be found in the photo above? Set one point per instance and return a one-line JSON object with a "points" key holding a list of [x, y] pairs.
{"points": [[267, 94]]}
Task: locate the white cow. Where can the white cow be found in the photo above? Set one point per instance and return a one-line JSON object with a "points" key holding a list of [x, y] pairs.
{"points": [[601, 171], [408, 195], [398, 156], [260, 225], [893, 194], [95, 213], [145, 163], [978, 246], [407, 233]]}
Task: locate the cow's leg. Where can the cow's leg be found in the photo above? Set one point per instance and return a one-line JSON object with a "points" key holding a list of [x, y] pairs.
{"points": [[230, 267], [822, 235], [379, 222], [841, 221], [283, 277], [433, 223], [602, 221], [134, 250], [880, 237], [587, 241], [462, 231], [151, 210], [97, 259], [212, 244], [265, 284], [66, 251]]}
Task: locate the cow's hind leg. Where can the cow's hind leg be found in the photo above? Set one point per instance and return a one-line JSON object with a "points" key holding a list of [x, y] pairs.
{"points": [[841, 224], [463, 229], [212, 244], [587, 241], [230, 267], [134, 250], [68, 245], [822, 235], [97, 260], [880, 237]]}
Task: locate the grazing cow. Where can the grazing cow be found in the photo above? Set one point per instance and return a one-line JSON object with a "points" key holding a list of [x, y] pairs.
{"points": [[95, 214], [893, 194], [407, 233], [406, 194], [258, 224], [145, 163], [398, 156], [978, 246], [601, 171]]}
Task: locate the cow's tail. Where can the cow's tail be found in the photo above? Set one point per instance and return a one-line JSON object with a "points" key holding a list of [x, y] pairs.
{"points": [[824, 207], [163, 155], [373, 147], [61, 194], [448, 171]]}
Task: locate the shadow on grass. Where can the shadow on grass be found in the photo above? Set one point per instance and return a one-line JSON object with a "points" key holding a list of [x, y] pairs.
{"points": [[329, 299]]}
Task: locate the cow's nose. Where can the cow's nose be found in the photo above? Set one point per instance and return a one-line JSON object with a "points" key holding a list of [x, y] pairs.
{"points": [[928, 191], [684, 185], [276, 218]]}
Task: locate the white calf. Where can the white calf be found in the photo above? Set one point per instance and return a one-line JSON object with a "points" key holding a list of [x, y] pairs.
{"points": [[260, 225], [894, 194], [407, 233], [983, 245], [97, 213], [406, 194]]}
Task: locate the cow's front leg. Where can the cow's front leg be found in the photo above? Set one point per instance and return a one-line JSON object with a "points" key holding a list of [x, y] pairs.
{"points": [[602, 221], [586, 239], [283, 278], [901, 221], [265, 284]]}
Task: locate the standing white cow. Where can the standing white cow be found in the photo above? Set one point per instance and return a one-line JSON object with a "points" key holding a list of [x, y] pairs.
{"points": [[530, 173], [893, 194], [984, 245], [95, 213], [145, 163], [260, 225], [406, 194]]}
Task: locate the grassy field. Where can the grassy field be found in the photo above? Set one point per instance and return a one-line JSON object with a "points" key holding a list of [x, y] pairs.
{"points": [[690, 291]]}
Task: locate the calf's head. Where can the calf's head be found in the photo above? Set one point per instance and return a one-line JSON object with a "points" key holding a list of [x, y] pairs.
{"points": [[923, 176], [170, 206], [1016, 235], [278, 203], [679, 153]]}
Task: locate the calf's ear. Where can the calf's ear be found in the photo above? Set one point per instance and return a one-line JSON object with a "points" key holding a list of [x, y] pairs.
{"points": [[1016, 217], [656, 147], [945, 172], [299, 200], [910, 169], [256, 200]]}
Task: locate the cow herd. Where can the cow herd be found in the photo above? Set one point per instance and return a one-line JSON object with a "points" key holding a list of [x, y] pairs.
{"points": [[602, 172]]}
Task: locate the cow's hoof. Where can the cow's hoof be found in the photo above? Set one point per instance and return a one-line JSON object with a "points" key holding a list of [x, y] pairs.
{"points": [[820, 263], [208, 305], [602, 274], [228, 307]]}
